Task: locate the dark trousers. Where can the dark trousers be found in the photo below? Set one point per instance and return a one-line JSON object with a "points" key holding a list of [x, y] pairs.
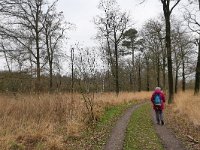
{"points": [[159, 115]]}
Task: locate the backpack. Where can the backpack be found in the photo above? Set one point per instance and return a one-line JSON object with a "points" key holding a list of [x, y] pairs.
{"points": [[157, 100]]}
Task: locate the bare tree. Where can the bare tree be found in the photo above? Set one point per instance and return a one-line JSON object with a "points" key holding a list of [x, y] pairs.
{"points": [[35, 31], [167, 10], [197, 75], [112, 25], [27, 15], [192, 18], [152, 35], [86, 64], [182, 46], [72, 68], [54, 32]]}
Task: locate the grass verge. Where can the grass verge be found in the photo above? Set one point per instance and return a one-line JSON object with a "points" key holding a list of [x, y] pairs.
{"points": [[140, 133], [95, 138], [184, 129]]}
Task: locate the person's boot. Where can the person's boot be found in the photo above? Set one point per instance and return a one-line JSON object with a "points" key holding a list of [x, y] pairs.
{"points": [[162, 122]]}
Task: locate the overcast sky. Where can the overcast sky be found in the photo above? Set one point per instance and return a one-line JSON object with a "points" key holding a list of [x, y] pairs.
{"points": [[82, 12]]}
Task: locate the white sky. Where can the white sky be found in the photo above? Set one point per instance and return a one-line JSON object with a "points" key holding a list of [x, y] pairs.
{"points": [[82, 12]]}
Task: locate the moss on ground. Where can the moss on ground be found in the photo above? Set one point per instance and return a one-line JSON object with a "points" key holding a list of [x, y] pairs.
{"points": [[140, 134]]}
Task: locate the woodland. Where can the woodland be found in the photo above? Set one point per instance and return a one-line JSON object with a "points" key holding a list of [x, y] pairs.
{"points": [[59, 96], [165, 52]]}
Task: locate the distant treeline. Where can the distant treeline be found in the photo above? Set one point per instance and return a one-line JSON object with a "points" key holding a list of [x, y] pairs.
{"points": [[23, 82]]}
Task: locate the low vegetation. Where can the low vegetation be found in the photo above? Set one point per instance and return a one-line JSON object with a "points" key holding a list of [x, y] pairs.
{"points": [[188, 104], [140, 133], [50, 120], [95, 138], [60, 120], [184, 119]]}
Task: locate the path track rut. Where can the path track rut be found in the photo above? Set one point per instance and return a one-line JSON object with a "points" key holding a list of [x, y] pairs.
{"points": [[116, 139], [169, 141]]}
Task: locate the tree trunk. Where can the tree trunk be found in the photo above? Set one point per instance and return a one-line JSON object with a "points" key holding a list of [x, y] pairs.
{"points": [[50, 75], [176, 72], [139, 76], [72, 61], [116, 70], [197, 76], [176, 80], [37, 49], [163, 72], [199, 4], [133, 65], [49, 58], [109, 81], [130, 81], [38, 65], [116, 64], [158, 71], [147, 63], [183, 76], [163, 62], [169, 59]]}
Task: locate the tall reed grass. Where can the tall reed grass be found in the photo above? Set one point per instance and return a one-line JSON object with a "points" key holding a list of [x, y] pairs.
{"points": [[51, 118], [189, 105]]}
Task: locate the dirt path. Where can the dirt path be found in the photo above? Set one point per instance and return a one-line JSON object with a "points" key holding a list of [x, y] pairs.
{"points": [[169, 141], [116, 139]]}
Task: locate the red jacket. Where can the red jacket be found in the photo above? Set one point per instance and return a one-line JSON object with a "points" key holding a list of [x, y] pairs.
{"points": [[162, 97]]}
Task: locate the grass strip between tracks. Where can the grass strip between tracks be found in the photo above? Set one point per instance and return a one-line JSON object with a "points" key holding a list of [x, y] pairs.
{"points": [[140, 133]]}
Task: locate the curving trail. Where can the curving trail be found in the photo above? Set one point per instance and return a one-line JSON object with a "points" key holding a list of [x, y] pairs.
{"points": [[169, 141], [116, 139]]}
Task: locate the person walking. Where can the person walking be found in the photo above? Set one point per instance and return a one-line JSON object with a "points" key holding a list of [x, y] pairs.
{"points": [[158, 100]]}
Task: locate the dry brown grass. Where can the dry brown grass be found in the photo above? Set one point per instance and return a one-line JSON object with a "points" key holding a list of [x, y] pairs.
{"points": [[122, 97], [47, 120], [188, 104]]}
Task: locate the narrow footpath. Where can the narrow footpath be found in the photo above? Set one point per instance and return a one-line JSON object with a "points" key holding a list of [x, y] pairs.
{"points": [[117, 136], [116, 139], [169, 141]]}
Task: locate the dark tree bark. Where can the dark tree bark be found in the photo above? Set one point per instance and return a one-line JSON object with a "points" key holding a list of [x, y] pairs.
{"points": [[148, 74], [176, 81], [139, 75], [37, 40], [167, 13], [158, 71], [169, 59], [163, 62], [72, 68], [133, 66], [116, 63], [197, 76], [199, 4], [176, 72], [183, 70], [183, 76]]}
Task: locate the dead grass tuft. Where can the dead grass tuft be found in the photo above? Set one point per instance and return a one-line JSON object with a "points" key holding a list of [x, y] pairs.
{"points": [[187, 104], [30, 141]]}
